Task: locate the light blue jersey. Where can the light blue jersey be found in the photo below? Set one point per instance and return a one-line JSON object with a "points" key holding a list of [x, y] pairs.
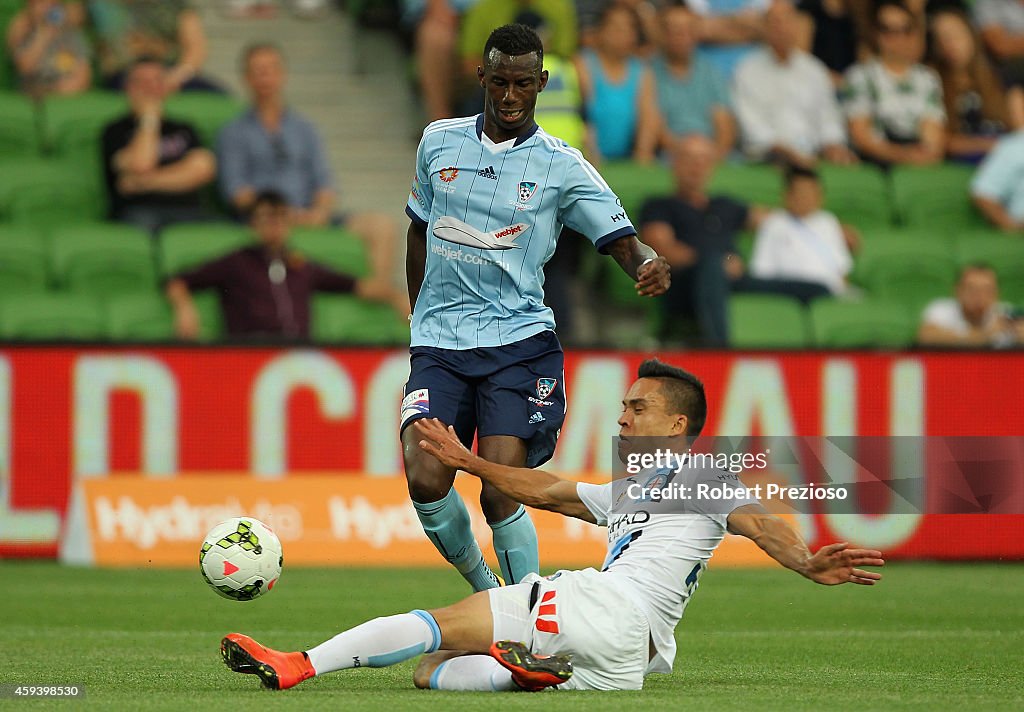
{"points": [[493, 214]]}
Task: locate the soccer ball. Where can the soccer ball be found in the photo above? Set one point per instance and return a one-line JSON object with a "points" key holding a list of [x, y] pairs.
{"points": [[241, 558]]}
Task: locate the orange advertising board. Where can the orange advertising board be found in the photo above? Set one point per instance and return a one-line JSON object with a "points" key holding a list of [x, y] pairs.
{"points": [[349, 520]]}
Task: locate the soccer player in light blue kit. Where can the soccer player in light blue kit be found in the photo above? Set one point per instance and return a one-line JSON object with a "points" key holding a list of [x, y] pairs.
{"points": [[488, 202]]}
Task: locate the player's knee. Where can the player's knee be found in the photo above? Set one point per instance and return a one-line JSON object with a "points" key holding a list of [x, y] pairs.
{"points": [[426, 483]]}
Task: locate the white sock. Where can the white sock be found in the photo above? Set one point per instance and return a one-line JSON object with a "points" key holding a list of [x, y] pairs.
{"points": [[378, 643], [479, 673]]}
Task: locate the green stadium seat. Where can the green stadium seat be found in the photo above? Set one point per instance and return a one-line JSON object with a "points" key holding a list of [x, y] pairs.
{"points": [[138, 317], [44, 192], [755, 184], [635, 183], [911, 269], [1004, 253], [23, 260], [333, 247], [8, 75], [935, 197], [103, 259], [858, 195], [867, 324], [74, 124], [211, 318], [51, 317], [350, 320], [19, 135], [766, 321], [207, 112], [191, 244]]}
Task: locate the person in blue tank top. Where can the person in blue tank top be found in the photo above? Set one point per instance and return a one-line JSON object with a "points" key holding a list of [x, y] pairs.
{"points": [[489, 199], [618, 90]]}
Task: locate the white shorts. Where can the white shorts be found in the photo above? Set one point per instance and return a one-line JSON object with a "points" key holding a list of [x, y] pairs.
{"points": [[583, 614]]}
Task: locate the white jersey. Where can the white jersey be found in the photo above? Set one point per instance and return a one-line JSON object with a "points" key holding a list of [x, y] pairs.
{"points": [[659, 556]]}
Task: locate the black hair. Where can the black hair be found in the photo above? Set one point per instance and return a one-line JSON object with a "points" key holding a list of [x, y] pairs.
{"points": [[794, 171], [684, 393], [882, 4], [978, 266], [144, 59], [270, 198], [514, 40], [254, 48]]}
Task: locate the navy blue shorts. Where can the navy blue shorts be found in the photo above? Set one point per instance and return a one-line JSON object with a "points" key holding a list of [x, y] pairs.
{"points": [[515, 390]]}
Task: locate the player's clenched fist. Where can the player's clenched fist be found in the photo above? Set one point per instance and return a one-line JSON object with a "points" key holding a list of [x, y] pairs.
{"points": [[653, 278]]}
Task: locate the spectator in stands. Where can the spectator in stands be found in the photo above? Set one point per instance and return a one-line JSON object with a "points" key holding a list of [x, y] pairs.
{"points": [[978, 109], [435, 26], [588, 15], [273, 147], [692, 96], [729, 30], [696, 233], [170, 31], [557, 16], [997, 189], [265, 289], [49, 50], [1001, 23], [785, 100], [154, 167], [618, 91], [893, 103], [974, 318], [834, 31], [802, 242]]}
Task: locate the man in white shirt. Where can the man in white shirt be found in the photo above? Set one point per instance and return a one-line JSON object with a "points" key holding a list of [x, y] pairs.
{"points": [[975, 318], [589, 629], [785, 100], [802, 242]]}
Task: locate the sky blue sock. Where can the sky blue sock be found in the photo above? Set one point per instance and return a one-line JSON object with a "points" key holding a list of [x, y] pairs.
{"points": [[515, 543], [446, 523]]}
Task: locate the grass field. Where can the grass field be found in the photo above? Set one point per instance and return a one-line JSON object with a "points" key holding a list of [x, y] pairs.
{"points": [[929, 637]]}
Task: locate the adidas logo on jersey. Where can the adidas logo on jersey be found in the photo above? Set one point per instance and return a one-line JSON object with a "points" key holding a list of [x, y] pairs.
{"points": [[488, 173]]}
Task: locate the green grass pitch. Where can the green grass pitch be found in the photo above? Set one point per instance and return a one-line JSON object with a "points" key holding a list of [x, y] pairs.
{"points": [[930, 636]]}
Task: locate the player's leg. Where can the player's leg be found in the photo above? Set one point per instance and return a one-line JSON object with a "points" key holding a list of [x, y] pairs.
{"points": [[434, 390], [519, 409], [512, 530], [381, 642]]}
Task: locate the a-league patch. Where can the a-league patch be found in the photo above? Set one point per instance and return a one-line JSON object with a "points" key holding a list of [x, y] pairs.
{"points": [[545, 386], [416, 403]]}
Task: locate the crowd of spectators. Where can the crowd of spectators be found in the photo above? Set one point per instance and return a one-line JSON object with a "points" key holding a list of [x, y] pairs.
{"points": [[690, 84]]}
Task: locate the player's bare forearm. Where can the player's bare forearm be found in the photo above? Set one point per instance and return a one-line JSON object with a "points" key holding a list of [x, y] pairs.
{"points": [[415, 259], [534, 488], [774, 536], [830, 565], [642, 263]]}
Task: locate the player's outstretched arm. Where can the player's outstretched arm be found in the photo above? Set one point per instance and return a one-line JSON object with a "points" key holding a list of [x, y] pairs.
{"points": [[830, 565], [643, 264], [534, 488]]}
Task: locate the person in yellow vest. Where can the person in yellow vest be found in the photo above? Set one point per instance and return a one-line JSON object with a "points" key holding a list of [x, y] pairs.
{"points": [[560, 105]]}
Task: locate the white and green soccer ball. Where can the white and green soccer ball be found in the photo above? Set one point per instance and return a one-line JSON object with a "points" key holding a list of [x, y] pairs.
{"points": [[241, 558]]}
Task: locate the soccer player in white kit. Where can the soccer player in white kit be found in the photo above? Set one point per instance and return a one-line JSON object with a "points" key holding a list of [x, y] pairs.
{"points": [[587, 629]]}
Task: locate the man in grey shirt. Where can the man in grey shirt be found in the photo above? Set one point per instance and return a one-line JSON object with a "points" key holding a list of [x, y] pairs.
{"points": [[272, 147]]}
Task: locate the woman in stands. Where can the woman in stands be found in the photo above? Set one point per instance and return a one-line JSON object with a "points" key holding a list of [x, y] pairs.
{"points": [[48, 48], [978, 108], [618, 90]]}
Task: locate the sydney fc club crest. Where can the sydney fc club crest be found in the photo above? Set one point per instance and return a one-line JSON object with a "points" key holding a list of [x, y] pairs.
{"points": [[526, 191], [545, 386]]}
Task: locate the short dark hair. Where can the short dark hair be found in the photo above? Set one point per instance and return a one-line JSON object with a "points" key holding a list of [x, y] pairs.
{"points": [[514, 40], [882, 4], [269, 198], [684, 393], [143, 60], [254, 48], [794, 171], [978, 266]]}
